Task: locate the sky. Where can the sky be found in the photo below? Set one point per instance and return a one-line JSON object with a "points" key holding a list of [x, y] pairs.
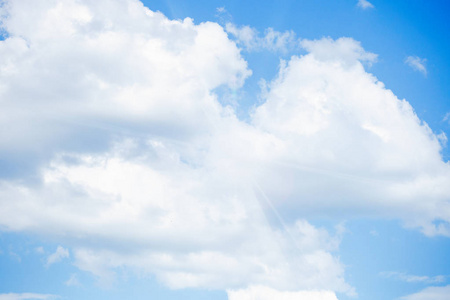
{"points": [[227, 150]]}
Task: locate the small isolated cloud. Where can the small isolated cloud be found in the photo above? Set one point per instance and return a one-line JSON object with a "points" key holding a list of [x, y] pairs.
{"points": [[223, 15], [430, 293], [364, 4], [265, 293], [26, 296], [447, 117], [59, 255], [412, 278], [417, 63], [221, 9]]}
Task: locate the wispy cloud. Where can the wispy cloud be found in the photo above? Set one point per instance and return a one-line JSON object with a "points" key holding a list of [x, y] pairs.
{"points": [[59, 255], [364, 4], [417, 64], [433, 292], [412, 278], [271, 40], [446, 117], [26, 296], [72, 281]]}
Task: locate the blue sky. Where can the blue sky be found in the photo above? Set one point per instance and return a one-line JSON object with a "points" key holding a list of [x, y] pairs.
{"points": [[224, 150]]}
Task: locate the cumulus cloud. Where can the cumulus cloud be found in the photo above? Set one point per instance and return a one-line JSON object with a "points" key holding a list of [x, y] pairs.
{"points": [[103, 69], [26, 296], [272, 40], [57, 256], [340, 130], [417, 63], [190, 227], [364, 4], [137, 165], [343, 50], [435, 293]]}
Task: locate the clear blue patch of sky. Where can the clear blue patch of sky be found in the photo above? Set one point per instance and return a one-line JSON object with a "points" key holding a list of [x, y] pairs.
{"points": [[373, 247]]}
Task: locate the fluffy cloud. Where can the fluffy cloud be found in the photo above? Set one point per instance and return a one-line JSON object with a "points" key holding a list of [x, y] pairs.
{"points": [[189, 226], [434, 292], [345, 140], [417, 64], [136, 164], [169, 197], [87, 72], [343, 50]]}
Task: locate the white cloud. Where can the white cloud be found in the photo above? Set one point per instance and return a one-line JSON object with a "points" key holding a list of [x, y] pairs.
{"points": [[57, 256], [413, 278], [192, 228], [343, 50], [417, 63], [177, 185], [434, 293], [345, 138], [264, 293], [26, 296], [106, 68], [364, 4], [272, 40]]}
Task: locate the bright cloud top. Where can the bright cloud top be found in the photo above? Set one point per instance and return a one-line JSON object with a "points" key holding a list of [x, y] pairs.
{"points": [[136, 164]]}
